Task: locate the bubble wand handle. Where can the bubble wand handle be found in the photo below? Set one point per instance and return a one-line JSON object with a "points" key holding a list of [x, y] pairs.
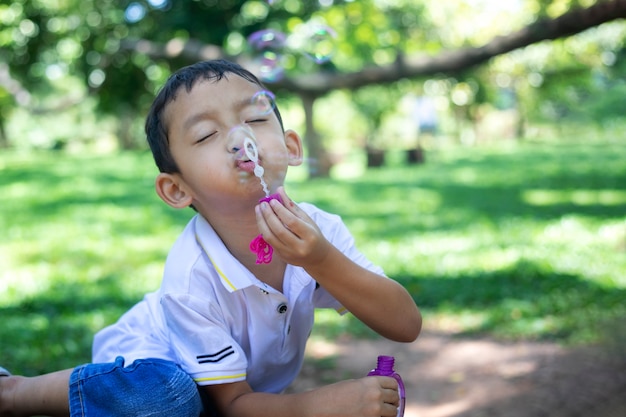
{"points": [[259, 246], [252, 152]]}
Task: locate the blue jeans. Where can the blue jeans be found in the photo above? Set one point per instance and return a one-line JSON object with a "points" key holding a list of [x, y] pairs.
{"points": [[147, 387]]}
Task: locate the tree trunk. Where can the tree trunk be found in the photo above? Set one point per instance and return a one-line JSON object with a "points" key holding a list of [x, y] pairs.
{"points": [[375, 157], [415, 156], [4, 140], [319, 160], [125, 138]]}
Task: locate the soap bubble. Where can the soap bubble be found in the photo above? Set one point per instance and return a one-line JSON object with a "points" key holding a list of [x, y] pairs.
{"points": [[268, 46], [270, 66], [263, 102], [267, 39], [316, 42]]}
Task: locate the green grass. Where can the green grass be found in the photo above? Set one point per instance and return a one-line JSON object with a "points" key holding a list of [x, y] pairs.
{"points": [[525, 242]]}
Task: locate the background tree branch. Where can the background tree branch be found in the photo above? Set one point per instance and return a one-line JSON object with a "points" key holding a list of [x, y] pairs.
{"points": [[572, 22]]}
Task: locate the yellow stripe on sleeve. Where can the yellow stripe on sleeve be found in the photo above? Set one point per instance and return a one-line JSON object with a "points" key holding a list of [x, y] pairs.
{"points": [[217, 378]]}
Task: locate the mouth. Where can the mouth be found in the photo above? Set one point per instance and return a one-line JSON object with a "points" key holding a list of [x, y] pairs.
{"points": [[246, 166], [248, 160]]}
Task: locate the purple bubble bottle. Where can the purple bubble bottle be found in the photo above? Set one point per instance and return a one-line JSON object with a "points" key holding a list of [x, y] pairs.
{"points": [[385, 368]]}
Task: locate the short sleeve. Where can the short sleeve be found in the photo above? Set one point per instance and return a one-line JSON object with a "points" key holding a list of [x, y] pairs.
{"points": [[201, 342]]}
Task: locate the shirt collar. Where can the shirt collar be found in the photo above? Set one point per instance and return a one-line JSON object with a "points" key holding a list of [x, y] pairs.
{"points": [[233, 274]]}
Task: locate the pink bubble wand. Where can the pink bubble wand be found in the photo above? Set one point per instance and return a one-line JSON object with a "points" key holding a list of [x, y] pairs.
{"points": [[259, 246]]}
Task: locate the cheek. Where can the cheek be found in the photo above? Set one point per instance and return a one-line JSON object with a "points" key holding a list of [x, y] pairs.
{"points": [[277, 159], [194, 165]]}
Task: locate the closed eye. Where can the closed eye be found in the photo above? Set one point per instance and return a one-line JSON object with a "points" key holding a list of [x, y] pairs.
{"points": [[205, 138]]}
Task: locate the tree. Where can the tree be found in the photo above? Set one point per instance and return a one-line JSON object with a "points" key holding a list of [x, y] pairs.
{"points": [[125, 54]]}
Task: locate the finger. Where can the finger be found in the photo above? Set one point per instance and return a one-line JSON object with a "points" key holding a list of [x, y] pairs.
{"points": [[287, 215], [275, 223], [391, 396], [261, 220], [289, 211], [269, 213], [284, 198], [295, 222], [288, 202], [284, 224], [387, 382], [389, 410]]}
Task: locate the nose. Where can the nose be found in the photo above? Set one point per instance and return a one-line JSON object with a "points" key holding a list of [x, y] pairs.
{"points": [[237, 138], [242, 143], [238, 152]]}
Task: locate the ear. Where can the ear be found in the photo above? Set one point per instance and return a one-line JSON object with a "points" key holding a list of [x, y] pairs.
{"points": [[294, 147], [171, 188]]}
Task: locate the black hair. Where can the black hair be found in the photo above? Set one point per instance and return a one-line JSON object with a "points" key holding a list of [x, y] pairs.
{"points": [[156, 130]]}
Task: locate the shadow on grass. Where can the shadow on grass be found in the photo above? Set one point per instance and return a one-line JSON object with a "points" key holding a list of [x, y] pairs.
{"points": [[523, 301], [463, 206], [55, 329], [88, 189], [543, 183]]}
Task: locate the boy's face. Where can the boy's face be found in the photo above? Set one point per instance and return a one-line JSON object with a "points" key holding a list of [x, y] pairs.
{"points": [[211, 173]]}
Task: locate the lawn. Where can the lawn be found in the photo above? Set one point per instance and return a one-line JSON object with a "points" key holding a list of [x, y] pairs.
{"points": [[522, 242]]}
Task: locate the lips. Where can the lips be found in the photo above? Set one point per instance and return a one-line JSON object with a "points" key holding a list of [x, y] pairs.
{"points": [[247, 166]]}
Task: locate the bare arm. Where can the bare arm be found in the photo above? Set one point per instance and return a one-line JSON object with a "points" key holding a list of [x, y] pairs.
{"points": [[364, 397], [381, 303]]}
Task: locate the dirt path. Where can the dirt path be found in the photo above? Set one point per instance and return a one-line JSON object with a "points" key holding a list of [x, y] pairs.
{"points": [[446, 376]]}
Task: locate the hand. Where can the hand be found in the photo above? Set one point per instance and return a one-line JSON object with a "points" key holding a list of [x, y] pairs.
{"points": [[372, 396], [292, 233]]}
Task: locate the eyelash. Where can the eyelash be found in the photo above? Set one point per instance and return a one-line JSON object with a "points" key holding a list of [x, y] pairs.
{"points": [[204, 138]]}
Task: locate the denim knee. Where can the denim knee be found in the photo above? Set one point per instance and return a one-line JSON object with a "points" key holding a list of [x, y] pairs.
{"points": [[147, 387]]}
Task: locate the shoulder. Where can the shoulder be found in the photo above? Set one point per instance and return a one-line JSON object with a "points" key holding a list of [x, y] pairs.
{"points": [[331, 225], [184, 257], [321, 217]]}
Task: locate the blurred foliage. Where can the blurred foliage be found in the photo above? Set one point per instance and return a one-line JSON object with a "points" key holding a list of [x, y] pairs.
{"points": [[45, 43], [518, 242]]}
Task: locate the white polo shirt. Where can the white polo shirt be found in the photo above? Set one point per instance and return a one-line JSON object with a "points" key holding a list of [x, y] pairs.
{"points": [[218, 321]]}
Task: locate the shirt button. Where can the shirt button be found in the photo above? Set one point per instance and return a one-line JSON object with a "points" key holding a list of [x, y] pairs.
{"points": [[282, 308]]}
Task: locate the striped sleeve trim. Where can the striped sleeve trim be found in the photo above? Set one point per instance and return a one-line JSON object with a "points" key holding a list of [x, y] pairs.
{"points": [[220, 378], [217, 356]]}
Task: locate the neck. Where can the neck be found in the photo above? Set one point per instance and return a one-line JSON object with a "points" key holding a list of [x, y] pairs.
{"points": [[237, 232]]}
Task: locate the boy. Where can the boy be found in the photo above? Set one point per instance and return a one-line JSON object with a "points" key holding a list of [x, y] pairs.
{"points": [[238, 328]]}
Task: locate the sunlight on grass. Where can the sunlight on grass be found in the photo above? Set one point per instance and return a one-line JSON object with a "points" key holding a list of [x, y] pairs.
{"points": [[578, 197], [518, 243], [450, 233]]}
